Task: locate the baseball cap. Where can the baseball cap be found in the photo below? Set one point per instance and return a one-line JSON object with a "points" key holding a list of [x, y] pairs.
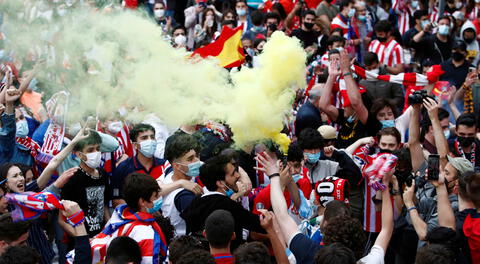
{"points": [[328, 132], [459, 44], [462, 165]]}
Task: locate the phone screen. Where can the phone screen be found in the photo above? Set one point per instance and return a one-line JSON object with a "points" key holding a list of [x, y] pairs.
{"points": [[433, 167]]}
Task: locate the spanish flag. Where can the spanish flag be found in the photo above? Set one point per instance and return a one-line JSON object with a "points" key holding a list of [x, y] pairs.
{"points": [[227, 48]]}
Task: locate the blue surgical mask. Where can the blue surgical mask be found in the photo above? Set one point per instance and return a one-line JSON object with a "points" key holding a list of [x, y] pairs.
{"points": [[447, 133], [194, 169], [22, 129], [350, 119], [387, 123], [157, 205], [351, 12], [148, 147], [241, 12], [258, 29], [33, 84], [425, 23], [443, 30], [414, 4], [296, 177], [339, 49], [313, 158], [362, 18]]}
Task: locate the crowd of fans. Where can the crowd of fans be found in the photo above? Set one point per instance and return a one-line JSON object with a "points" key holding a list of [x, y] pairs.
{"points": [[380, 168]]}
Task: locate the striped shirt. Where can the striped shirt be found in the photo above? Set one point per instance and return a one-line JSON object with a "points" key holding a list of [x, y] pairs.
{"points": [[404, 13], [390, 53], [340, 22]]}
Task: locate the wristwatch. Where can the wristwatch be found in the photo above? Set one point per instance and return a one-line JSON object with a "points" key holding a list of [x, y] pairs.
{"points": [[274, 175]]}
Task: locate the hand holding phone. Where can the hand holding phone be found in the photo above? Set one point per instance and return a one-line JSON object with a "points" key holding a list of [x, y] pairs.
{"points": [[433, 169]]}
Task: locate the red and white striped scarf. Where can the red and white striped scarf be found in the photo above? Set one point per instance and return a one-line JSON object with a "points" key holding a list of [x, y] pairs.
{"points": [[407, 79], [30, 144]]}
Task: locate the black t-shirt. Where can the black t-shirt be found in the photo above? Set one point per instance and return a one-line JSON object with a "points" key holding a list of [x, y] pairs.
{"points": [[351, 132], [307, 116], [91, 195], [308, 38], [455, 75]]}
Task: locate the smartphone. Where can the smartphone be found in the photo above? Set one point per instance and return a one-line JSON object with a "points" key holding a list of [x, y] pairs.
{"points": [[433, 167]]}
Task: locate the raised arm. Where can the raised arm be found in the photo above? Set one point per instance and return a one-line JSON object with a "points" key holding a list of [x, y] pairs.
{"points": [[279, 205], [416, 151], [446, 216], [266, 220], [292, 14], [440, 140], [352, 88], [324, 103], [387, 218], [417, 222]]}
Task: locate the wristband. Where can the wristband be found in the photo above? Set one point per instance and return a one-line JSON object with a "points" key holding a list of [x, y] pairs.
{"points": [[76, 219], [274, 175], [346, 74], [412, 208], [394, 192]]}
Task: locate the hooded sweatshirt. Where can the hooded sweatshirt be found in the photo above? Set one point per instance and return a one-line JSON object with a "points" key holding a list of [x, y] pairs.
{"points": [[472, 48]]}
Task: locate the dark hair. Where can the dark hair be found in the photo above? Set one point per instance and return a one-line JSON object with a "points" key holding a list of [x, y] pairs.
{"points": [[343, 4], [257, 17], [181, 246], [295, 153], [419, 14], [308, 12], [214, 170], [180, 145], [383, 26], [139, 128], [257, 42], [434, 254], [381, 103], [177, 27], [335, 253], [443, 236], [466, 119], [333, 51], [20, 255], [273, 15], [253, 252], [473, 188], [219, 227], [335, 208], [370, 58], [4, 168], [462, 184], [445, 17], [281, 11], [167, 228], [92, 139], [136, 186], [123, 249], [390, 131], [196, 257], [310, 138], [332, 39], [339, 30], [426, 122], [345, 230], [11, 231]]}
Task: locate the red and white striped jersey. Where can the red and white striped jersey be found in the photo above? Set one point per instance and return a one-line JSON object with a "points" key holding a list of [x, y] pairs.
{"points": [[404, 13], [474, 13], [390, 53], [339, 22]]}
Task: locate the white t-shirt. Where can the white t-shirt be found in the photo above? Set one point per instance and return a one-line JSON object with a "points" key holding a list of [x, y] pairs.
{"points": [[376, 256]]}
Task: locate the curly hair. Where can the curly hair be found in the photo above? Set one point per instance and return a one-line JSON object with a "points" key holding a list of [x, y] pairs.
{"points": [[348, 231]]}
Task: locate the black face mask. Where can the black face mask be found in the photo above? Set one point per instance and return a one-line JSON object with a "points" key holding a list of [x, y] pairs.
{"points": [[382, 39], [385, 151], [308, 25], [466, 141], [458, 56], [469, 40]]}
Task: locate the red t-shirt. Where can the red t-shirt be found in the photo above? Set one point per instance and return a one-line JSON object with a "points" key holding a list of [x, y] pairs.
{"points": [[471, 229]]}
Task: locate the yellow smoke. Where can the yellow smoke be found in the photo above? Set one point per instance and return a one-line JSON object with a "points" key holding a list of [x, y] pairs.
{"points": [[108, 60]]}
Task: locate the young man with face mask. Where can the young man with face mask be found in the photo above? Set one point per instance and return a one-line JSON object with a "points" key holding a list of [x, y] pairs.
{"points": [[182, 152], [421, 20], [306, 34], [342, 20], [468, 33], [389, 50], [457, 68], [466, 144], [89, 185], [220, 176], [437, 47]]}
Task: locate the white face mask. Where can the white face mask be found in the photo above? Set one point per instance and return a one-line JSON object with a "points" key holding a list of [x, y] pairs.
{"points": [[180, 40], [93, 159], [477, 1], [115, 127], [209, 22], [159, 13], [22, 129], [376, 71], [148, 147]]}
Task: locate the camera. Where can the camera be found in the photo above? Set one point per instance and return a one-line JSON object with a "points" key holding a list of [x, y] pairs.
{"points": [[417, 97]]}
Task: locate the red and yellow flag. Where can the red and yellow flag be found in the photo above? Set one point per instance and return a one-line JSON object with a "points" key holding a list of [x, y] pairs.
{"points": [[227, 48]]}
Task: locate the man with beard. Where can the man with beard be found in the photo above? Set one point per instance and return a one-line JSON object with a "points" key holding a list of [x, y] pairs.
{"points": [[220, 176], [389, 50], [306, 34]]}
